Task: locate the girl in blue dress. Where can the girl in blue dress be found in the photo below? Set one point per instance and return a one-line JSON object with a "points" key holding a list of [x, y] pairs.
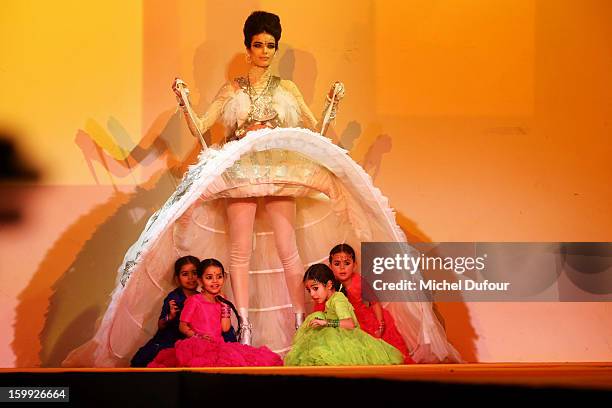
{"points": [[185, 274]]}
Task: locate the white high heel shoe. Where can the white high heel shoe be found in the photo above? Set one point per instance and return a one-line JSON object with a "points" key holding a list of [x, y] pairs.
{"points": [[246, 332], [299, 319]]}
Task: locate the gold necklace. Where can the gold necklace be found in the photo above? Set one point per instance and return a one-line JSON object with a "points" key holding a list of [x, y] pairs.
{"points": [[251, 89]]}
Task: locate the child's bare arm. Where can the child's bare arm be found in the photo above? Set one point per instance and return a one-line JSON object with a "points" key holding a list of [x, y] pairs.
{"points": [[378, 312], [226, 313], [165, 320], [346, 323], [186, 329], [225, 324]]}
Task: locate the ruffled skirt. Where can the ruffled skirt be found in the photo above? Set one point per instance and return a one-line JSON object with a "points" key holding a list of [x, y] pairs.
{"points": [[369, 324], [335, 202], [196, 352], [336, 346]]}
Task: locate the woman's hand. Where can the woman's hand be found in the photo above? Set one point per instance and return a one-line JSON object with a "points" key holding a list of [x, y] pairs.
{"points": [[338, 88], [177, 86]]}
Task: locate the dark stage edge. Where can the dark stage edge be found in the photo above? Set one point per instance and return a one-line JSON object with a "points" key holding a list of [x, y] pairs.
{"points": [[326, 386]]}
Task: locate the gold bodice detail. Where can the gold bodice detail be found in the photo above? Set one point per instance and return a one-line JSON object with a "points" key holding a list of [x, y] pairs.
{"points": [[261, 112]]}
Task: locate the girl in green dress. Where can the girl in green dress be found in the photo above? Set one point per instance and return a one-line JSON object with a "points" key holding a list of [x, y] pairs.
{"points": [[333, 337]]}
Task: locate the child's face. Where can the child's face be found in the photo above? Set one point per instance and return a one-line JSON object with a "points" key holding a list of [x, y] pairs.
{"points": [[212, 280], [343, 266], [318, 291], [188, 277]]}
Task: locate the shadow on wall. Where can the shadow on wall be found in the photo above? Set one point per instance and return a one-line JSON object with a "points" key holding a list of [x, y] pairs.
{"points": [[373, 158], [81, 294], [16, 174], [81, 267], [349, 135], [304, 73], [454, 316]]}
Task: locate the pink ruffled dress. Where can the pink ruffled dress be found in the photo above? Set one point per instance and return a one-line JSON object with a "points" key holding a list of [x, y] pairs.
{"points": [[204, 317]]}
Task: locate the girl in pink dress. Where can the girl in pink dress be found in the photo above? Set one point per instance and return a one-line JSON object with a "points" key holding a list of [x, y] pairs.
{"points": [[372, 317], [205, 316]]}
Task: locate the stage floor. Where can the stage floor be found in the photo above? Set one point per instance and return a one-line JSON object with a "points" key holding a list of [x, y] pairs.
{"points": [[565, 375]]}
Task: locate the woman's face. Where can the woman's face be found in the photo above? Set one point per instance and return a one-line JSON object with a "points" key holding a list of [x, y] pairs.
{"points": [[263, 48]]}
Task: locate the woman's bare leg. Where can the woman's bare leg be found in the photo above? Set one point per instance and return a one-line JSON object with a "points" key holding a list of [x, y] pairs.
{"points": [[241, 218], [281, 212]]}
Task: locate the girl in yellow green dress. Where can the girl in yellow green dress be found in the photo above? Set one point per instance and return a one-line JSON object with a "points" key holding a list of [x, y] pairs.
{"points": [[333, 337]]}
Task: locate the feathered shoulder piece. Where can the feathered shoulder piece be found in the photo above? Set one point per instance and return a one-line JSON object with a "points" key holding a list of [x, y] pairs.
{"points": [[237, 108]]}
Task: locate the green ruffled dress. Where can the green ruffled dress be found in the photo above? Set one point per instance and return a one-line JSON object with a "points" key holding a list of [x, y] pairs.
{"points": [[337, 346]]}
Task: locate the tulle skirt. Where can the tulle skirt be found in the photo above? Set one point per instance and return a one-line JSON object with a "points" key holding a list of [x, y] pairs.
{"points": [[336, 346], [335, 202], [196, 352], [369, 324]]}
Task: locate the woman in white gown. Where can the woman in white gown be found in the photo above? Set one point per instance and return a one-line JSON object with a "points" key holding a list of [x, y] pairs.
{"points": [[268, 203]]}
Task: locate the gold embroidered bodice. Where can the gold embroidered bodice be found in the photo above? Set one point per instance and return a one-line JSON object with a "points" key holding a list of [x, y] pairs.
{"points": [[261, 111], [271, 102]]}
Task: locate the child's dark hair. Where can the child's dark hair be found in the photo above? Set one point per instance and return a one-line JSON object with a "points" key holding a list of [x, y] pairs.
{"points": [[214, 262], [342, 249], [210, 262], [185, 260], [262, 22], [321, 273]]}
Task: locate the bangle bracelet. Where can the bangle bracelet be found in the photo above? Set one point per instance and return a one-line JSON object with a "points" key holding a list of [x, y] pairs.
{"points": [[226, 311], [333, 322]]}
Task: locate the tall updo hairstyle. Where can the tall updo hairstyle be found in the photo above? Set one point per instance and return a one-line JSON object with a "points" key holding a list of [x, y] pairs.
{"points": [[261, 22]]}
